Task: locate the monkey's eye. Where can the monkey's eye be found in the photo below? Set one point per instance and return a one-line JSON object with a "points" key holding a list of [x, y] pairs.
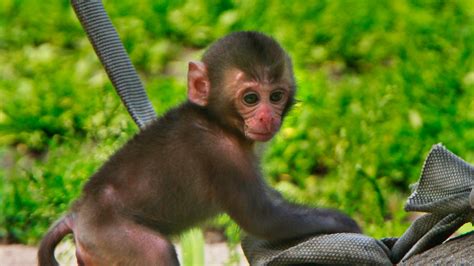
{"points": [[250, 98], [276, 96]]}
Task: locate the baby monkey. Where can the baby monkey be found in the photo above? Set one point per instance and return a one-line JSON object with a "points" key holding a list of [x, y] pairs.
{"points": [[194, 162]]}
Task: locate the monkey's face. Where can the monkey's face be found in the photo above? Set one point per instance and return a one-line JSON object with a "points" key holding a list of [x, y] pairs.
{"points": [[253, 106], [260, 104]]}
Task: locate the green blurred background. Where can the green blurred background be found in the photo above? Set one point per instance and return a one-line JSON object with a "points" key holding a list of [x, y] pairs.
{"points": [[379, 82]]}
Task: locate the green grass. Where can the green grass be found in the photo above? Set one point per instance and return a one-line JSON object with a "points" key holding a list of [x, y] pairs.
{"points": [[380, 82]]}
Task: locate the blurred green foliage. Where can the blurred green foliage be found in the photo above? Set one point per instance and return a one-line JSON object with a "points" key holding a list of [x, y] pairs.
{"points": [[379, 83], [192, 243]]}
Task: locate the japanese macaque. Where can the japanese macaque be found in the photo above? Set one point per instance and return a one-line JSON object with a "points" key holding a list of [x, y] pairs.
{"points": [[194, 162]]}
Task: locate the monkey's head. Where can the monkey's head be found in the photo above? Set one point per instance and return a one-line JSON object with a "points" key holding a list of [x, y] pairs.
{"points": [[246, 82]]}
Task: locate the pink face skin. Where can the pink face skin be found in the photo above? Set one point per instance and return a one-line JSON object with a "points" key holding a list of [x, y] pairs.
{"points": [[260, 104]]}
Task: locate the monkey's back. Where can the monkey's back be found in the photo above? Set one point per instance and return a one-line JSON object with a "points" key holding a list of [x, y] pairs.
{"points": [[159, 178]]}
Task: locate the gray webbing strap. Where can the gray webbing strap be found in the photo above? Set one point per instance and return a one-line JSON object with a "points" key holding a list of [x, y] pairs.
{"points": [[114, 58], [444, 193]]}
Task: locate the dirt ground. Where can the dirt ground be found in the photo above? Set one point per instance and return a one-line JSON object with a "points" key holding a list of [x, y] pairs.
{"points": [[20, 255]]}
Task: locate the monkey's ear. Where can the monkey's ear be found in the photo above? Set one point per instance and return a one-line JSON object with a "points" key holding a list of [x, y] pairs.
{"points": [[198, 83]]}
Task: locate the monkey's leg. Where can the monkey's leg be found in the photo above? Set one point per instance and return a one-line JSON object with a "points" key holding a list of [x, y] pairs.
{"points": [[122, 243]]}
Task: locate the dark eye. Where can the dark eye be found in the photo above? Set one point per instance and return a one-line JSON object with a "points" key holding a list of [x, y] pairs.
{"points": [[276, 96], [251, 98]]}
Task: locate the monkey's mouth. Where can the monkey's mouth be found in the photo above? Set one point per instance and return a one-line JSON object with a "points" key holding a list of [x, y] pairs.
{"points": [[259, 136]]}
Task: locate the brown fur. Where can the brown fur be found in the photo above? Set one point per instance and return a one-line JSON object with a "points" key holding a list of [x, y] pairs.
{"points": [[191, 164]]}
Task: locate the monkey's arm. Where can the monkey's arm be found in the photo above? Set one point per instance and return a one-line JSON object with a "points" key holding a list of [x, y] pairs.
{"points": [[246, 198]]}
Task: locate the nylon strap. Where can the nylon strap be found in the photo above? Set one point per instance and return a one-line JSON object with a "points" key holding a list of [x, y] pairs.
{"points": [[114, 58]]}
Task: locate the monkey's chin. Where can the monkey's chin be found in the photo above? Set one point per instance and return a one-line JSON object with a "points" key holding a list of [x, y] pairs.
{"points": [[261, 137]]}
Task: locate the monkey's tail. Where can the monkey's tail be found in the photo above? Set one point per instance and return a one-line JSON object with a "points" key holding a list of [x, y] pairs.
{"points": [[55, 234]]}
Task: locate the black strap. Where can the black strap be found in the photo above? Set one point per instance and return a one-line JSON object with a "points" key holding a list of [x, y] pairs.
{"points": [[114, 58]]}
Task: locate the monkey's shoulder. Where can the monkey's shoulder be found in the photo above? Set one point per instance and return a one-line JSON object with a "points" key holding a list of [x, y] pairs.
{"points": [[189, 127]]}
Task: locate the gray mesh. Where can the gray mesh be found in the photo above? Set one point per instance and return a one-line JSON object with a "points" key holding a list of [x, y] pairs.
{"points": [[444, 192], [323, 249], [115, 60]]}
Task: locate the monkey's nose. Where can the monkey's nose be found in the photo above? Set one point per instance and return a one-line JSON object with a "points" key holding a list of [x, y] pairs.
{"points": [[267, 122], [265, 119]]}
